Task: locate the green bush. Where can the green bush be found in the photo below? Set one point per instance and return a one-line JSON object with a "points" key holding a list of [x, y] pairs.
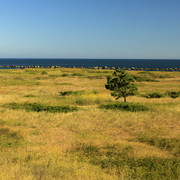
{"points": [[44, 72], [39, 107], [29, 95], [77, 74], [67, 93], [154, 95], [64, 75], [124, 107], [173, 94]]}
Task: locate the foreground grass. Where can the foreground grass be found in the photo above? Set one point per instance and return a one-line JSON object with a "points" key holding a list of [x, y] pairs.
{"points": [[39, 141]]}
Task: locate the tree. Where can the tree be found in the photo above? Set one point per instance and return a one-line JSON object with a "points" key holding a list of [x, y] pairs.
{"points": [[121, 84]]}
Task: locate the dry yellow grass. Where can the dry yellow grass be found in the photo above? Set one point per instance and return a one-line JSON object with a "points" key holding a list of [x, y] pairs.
{"points": [[47, 147]]}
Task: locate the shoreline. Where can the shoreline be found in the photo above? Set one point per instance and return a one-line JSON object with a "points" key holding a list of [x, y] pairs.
{"points": [[93, 67]]}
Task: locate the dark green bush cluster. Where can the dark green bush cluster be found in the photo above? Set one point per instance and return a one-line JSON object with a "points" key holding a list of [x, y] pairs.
{"points": [[39, 107], [124, 106], [29, 95], [77, 74], [173, 94], [118, 158], [154, 95], [67, 93]]}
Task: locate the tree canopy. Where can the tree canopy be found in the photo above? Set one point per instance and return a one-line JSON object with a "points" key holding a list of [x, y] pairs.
{"points": [[121, 84]]}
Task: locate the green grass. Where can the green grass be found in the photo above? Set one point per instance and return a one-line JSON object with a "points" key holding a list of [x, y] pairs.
{"points": [[9, 138], [77, 74], [29, 95], [156, 75], [99, 138], [44, 72], [169, 144], [39, 107], [133, 107], [118, 157], [143, 78], [96, 77]]}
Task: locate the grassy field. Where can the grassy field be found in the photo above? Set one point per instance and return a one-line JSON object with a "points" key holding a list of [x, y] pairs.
{"points": [[53, 126]]}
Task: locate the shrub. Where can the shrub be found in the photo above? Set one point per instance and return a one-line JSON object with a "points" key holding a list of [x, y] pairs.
{"points": [[29, 95], [77, 74], [154, 95], [173, 94], [67, 93], [39, 107], [124, 107], [44, 72], [64, 75]]}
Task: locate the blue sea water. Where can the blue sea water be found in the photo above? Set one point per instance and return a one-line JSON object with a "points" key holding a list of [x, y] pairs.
{"points": [[128, 63]]}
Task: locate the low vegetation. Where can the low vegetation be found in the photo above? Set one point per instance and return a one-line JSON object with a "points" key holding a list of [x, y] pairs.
{"points": [[67, 93], [154, 95], [64, 124], [118, 158], [9, 138], [39, 107], [121, 84], [143, 78], [173, 94], [133, 107]]}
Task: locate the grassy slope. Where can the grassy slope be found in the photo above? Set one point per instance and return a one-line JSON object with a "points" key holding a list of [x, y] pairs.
{"points": [[90, 143]]}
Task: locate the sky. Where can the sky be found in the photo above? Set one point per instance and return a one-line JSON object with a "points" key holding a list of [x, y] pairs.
{"points": [[140, 29]]}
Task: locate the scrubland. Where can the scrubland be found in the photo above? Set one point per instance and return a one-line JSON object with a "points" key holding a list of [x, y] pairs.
{"points": [[41, 140]]}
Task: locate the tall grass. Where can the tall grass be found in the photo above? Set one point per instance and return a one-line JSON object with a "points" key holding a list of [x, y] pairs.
{"points": [[91, 143]]}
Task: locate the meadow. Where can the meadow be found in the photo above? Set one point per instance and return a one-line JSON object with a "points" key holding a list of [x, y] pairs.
{"points": [[62, 123]]}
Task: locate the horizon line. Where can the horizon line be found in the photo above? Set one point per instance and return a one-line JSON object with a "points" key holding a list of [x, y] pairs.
{"points": [[96, 58]]}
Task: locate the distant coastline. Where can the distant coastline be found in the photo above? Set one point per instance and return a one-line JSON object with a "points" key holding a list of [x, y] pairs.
{"points": [[131, 64]]}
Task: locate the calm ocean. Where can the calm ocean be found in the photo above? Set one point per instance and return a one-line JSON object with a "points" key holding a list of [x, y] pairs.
{"points": [[128, 63]]}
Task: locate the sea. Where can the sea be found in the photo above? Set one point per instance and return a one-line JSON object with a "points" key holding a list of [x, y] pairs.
{"points": [[127, 63]]}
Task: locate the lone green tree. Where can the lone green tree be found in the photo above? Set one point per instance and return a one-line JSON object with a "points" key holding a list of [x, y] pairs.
{"points": [[121, 84]]}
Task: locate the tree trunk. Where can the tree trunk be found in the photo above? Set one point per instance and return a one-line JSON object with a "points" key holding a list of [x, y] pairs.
{"points": [[124, 98]]}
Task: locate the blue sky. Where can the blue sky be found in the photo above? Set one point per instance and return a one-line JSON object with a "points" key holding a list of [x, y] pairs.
{"points": [[90, 29]]}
